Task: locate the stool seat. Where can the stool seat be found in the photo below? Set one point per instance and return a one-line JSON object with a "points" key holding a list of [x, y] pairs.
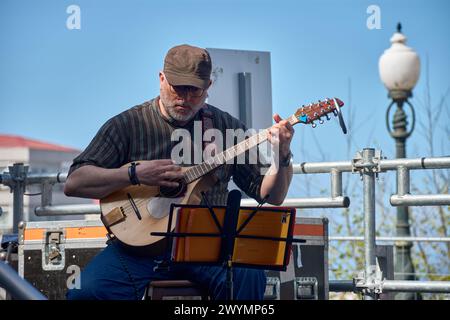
{"points": [[170, 289]]}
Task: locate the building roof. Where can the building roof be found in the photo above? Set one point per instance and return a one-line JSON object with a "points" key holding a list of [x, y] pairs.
{"points": [[12, 141]]}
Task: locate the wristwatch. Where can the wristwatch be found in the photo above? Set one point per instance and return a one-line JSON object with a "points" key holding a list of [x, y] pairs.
{"points": [[285, 162], [132, 174]]}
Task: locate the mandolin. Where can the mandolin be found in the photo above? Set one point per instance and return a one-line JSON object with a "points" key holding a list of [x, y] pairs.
{"points": [[133, 213]]}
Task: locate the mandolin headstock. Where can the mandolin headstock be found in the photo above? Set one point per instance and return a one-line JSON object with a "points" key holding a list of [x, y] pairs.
{"points": [[318, 110]]}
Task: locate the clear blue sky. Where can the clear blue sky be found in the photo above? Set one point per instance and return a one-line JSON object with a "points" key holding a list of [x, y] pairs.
{"points": [[60, 85]]}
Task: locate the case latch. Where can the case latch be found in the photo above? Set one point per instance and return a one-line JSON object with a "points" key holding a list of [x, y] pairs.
{"points": [[306, 288], [53, 253]]}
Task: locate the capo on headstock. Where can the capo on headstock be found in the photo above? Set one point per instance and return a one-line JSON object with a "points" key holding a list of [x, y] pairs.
{"points": [[339, 114]]}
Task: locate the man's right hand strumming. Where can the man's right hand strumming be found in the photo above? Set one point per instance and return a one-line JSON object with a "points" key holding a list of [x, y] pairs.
{"points": [[95, 182], [159, 173]]}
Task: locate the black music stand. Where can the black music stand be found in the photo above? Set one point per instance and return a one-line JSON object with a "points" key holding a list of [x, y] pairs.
{"points": [[229, 233]]}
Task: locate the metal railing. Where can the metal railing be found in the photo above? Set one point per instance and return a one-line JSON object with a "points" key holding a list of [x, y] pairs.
{"points": [[18, 287], [391, 239], [368, 163]]}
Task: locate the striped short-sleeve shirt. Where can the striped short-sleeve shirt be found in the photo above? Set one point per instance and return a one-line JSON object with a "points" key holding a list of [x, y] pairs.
{"points": [[143, 133]]}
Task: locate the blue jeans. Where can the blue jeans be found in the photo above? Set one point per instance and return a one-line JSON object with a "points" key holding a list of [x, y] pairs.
{"points": [[115, 274]]}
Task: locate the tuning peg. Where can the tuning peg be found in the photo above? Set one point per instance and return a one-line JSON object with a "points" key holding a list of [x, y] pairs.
{"points": [[335, 113], [313, 124], [328, 117], [320, 121]]}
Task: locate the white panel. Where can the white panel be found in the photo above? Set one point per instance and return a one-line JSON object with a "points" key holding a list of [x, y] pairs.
{"points": [[224, 92]]}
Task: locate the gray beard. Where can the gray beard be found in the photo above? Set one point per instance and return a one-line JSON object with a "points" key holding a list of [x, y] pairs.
{"points": [[179, 116], [170, 109]]}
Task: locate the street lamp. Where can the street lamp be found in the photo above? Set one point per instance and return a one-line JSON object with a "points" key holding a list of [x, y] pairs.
{"points": [[399, 68]]}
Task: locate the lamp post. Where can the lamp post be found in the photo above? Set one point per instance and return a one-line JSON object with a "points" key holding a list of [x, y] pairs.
{"points": [[399, 68]]}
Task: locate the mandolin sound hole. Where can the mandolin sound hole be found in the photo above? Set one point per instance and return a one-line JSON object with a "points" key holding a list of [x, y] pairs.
{"points": [[173, 192]]}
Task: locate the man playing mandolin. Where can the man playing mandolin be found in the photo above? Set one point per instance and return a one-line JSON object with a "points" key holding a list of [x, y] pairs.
{"points": [[143, 134]]}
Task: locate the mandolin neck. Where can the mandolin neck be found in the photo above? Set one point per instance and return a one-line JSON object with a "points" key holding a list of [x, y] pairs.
{"points": [[229, 154]]}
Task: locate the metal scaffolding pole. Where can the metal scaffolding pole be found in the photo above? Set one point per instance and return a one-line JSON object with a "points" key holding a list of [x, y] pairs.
{"points": [[17, 183], [338, 202], [420, 200], [342, 286], [394, 286], [68, 210], [19, 288], [369, 217], [391, 239], [385, 165], [416, 286]]}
